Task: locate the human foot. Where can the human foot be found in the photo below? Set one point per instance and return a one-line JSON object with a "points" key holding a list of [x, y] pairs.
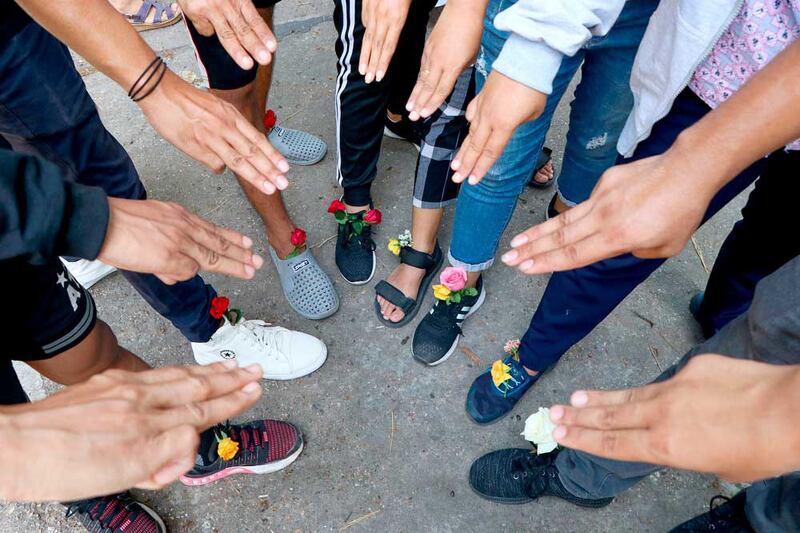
{"points": [[545, 174], [398, 297], [298, 147], [148, 14], [407, 279]]}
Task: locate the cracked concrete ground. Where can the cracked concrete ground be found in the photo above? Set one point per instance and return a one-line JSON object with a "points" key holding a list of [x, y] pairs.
{"points": [[357, 473]]}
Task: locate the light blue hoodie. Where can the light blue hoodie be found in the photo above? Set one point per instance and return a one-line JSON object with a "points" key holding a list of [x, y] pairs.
{"points": [[680, 35]]}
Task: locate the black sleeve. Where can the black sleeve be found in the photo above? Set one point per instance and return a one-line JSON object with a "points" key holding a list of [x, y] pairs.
{"points": [[41, 215]]}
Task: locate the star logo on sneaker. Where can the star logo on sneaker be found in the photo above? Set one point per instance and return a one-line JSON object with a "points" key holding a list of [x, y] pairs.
{"points": [[227, 354], [300, 266]]}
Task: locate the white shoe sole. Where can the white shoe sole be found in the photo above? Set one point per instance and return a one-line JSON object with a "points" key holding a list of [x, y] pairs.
{"points": [[372, 274], [269, 468], [392, 135], [452, 349]]}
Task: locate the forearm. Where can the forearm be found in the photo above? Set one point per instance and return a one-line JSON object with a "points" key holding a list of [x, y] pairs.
{"points": [[96, 31], [760, 118]]}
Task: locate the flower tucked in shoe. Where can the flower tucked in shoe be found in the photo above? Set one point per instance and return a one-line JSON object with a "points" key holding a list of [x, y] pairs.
{"points": [[539, 430], [436, 336], [516, 475], [402, 241], [495, 392], [259, 447], [298, 147], [355, 249]]}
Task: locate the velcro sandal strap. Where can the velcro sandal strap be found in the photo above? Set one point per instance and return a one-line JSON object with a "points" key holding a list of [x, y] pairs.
{"points": [[415, 258], [394, 296]]}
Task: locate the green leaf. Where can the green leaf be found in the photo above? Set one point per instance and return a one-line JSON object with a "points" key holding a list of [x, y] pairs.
{"points": [[358, 226], [456, 297], [470, 291], [340, 216]]}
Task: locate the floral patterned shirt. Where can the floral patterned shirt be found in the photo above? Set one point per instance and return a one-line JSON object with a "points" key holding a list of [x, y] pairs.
{"points": [[761, 30]]}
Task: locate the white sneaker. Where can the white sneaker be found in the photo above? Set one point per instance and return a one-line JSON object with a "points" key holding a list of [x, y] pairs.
{"points": [[86, 272], [282, 353]]}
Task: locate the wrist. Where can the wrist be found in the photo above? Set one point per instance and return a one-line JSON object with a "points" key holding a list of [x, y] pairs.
{"points": [[695, 161]]}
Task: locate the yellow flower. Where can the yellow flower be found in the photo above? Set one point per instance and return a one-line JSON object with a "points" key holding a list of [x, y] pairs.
{"points": [[394, 246], [500, 372], [227, 448], [440, 292]]}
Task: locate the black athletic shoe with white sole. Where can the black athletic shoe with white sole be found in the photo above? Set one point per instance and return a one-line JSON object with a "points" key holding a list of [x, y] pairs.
{"points": [[517, 475], [118, 513], [404, 130], [436, 336], [355, 254]]}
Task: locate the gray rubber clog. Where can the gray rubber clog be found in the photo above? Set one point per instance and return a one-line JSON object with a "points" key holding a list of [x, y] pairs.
{"points": [[298, 147], [307, 287]]}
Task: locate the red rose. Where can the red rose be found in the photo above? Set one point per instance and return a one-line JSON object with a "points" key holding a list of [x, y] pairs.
{"points": [[219, 305], [298, 237], [373, 217], [270, 119], [336, 205]]}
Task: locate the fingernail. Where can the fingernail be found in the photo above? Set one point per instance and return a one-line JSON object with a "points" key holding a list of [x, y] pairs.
{"points": [[272, 46], [258, 261], [253, 369], [229, 364], [379, 75], [559, 433], [579, 399], [369, 77], [282, 182], [519, 240], [473, 180], [425, 113], [263, 57], [362, 69], [413, 116], [251, 387], [410, 105], [283, 166], [246, 62], [556, 413], [528, 263], [457, 177], [509, 256], [247, 242], [268, 187], [249, 271], [455, 164]]}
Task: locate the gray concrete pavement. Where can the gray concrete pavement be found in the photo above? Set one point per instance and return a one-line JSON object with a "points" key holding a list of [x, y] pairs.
{"points": [[361, 471]]}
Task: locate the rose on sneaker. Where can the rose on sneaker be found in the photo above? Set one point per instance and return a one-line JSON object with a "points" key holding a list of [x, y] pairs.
{"points": [[227, 448], [539, 430], [452, 287], [454, 279], [219, 305], [336, 205], [373, 217], [298, 239], [357, 221]]}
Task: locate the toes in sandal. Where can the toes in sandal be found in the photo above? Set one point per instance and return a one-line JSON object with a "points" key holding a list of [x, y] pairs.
{"points": [[139, 20], [545, 156], [430, 263]]}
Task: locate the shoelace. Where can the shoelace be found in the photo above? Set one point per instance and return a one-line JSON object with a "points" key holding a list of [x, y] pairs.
{"points": [[534, 470], [249, 438], [262, 335], [443, 316], [715, 514], [517, 377], [105, 511], [364, 240]]}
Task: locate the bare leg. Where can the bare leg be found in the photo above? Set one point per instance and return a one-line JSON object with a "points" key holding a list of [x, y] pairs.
{"points": [[424, 229], [251, 100], [99, 351]]}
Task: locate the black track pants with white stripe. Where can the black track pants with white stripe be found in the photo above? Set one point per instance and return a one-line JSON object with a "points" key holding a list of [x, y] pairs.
{"points": [[361, 107]]}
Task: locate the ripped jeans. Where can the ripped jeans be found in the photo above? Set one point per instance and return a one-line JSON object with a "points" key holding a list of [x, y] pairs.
{"points": [[602, 102]]}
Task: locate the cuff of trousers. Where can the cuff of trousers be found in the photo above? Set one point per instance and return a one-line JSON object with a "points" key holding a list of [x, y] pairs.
{"points": [[357, 195], [469, 267], [529, 361], [565, 200], [421, 204]]}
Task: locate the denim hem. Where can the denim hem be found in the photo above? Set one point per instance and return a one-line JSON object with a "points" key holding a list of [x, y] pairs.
{"points": [[479, 267], [568, 203], [421, 204]]}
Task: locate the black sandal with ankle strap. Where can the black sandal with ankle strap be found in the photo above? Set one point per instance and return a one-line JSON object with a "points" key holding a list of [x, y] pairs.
{"points": [[430, 263]]}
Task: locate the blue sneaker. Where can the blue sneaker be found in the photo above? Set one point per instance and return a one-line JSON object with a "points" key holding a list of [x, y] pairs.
{"points": [[495, 392]]}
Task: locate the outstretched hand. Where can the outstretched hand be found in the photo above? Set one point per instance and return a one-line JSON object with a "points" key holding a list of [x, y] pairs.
{"points": [[167, 240], [492, 123], [214, 133], [238, 25], [715, 415], [383, 21], [122, 429]]}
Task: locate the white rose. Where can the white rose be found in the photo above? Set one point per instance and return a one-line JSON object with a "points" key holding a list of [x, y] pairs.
{"points": [[539, 430]]}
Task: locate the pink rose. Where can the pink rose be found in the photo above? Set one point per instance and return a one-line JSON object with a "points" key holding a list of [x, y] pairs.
{"points": [[453, 278]]}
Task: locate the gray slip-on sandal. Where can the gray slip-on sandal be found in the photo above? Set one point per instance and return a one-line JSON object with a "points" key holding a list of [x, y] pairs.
{"points": [[298, 147], [307, 287]]}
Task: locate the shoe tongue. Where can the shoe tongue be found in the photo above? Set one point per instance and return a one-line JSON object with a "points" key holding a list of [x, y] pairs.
{"points": [[207, 451]]}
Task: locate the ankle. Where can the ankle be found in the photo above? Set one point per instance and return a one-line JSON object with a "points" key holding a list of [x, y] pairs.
{"points": [[394, 117], [355, 208], [529, 371], [560, 206], [426, 248]]}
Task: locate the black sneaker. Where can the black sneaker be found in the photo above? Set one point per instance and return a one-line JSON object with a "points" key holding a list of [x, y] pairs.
{"points": [[436, 336], [261, 447], [355, 254], [118, 513], [516, 475], [404, 129], [729, 517]]}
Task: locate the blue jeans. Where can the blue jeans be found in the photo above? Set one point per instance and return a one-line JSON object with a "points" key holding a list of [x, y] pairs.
{"points": [[46, 111], [602, 102], [587, 295]]}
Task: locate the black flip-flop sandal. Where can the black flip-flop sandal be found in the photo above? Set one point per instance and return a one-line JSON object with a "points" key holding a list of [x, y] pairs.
{"points": [[545, 156], [431, 263]]}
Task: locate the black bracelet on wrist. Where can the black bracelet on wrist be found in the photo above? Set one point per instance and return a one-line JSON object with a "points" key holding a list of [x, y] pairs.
{"points": [[143, 87]]}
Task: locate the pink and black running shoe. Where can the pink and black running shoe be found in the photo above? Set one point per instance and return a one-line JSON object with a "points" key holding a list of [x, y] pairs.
{"points": [[118, 513], [259, 447]]}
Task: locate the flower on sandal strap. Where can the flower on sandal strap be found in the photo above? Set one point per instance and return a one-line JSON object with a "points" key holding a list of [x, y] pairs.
{"points": [[402, 241], [298, 239], [453, 286]]}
